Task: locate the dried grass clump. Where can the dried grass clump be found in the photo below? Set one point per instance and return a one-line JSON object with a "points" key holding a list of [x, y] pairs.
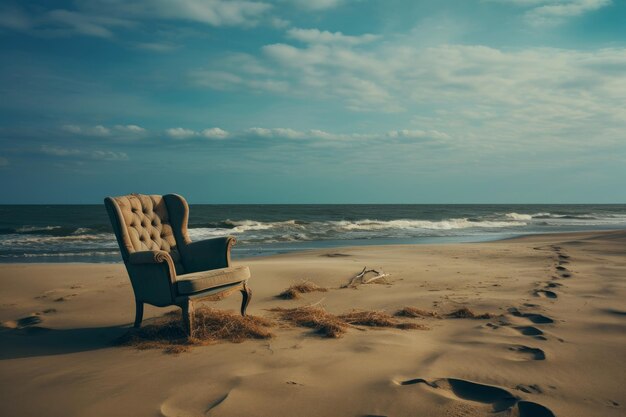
{"points": [[466, 313], [416, 312], [377, 319], [210, 326], [221, 325], [293, 292], [330, 325], [369, 318], [324, 323]]}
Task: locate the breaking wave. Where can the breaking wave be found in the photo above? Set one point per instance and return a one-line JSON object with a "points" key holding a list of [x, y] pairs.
{"points": [[93, 239]]}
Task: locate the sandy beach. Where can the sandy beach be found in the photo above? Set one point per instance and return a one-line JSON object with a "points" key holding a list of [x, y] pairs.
{"points": [[554, 344]]}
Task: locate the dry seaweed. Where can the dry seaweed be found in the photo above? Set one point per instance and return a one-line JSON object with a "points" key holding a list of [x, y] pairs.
{"points": [[466, 313], [210, 326], [304, 287], [368, 318], [330, 325], [416, 312], [376, 319], [324, 323]]}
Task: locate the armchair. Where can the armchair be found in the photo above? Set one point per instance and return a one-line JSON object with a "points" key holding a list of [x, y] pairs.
{"points": [[164, 266]]}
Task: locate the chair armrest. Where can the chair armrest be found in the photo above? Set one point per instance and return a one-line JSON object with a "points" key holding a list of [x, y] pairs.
{"points": [[207, 254], [149, 257], [153, 276]]}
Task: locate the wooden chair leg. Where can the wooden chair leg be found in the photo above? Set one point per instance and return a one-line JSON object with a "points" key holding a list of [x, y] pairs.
{"points": [[246, 293], [138, 313], [188, 316]]}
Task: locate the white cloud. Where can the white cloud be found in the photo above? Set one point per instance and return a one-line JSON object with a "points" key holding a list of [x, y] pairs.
{"points": [[115, 132], [312, 134], [417, 134], [100, 130], [180, 133], [317, 4], [134, 129], [278, 132], [557, 13], [59, 22], [214, 133], [553, 12], [397, 76], [78, 153], [108, 155], [156, 46], [516, 95], [317, 36], [212, 12], [99, 18], [97, 130]]}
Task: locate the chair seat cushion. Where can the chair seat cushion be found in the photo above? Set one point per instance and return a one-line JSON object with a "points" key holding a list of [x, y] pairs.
{"points": [[204, 280]]}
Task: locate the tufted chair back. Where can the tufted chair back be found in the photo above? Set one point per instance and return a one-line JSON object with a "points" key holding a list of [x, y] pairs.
{"points": [[142, 222]]}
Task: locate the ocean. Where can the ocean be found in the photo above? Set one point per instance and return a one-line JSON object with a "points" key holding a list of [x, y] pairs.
{"points": [[82, 233]]}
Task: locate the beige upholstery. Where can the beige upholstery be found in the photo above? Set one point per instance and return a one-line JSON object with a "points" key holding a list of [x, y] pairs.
{"points": [[165, 267], [200, 281], [147, 223]]}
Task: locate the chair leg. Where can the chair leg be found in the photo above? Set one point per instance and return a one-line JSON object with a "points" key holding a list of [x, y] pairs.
{"points": [[246, 293], [138, 313], [188, 316]]}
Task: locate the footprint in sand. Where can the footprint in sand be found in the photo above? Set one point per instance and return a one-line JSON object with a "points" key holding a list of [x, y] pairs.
{"points": [[526, 353], [533, 317], [545, 294], [531, 331], [495, 399]]}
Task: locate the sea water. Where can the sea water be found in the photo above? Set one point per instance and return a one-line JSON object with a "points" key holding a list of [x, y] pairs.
{"points": [[82, 233]]}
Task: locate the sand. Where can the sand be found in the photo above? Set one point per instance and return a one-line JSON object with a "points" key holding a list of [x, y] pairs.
{"points": [[555, 342]]}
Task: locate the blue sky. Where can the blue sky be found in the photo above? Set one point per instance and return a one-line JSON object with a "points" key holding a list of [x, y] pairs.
{"points": [[314, 101]]}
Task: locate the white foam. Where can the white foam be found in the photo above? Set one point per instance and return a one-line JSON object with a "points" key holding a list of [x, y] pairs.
{"points": [[518, 216], [63, 254], [27, 229], [405, 224], [241, 226]]}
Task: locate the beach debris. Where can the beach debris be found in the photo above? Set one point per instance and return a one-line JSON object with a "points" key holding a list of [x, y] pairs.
{"points": [[466, 313], [210, 326], [377, 319], [361, 277], [416, 312], [294, 292], [317, 318], [334, 326]]}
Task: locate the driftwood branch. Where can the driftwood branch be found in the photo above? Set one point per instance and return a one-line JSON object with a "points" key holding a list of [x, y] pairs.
{"points": [[360, 278]]}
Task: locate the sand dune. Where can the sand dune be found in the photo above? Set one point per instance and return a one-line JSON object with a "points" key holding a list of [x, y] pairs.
{"points": [[548, 337]]}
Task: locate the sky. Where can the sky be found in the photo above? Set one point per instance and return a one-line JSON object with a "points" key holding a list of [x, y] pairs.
{"points": [[314, 101]]}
